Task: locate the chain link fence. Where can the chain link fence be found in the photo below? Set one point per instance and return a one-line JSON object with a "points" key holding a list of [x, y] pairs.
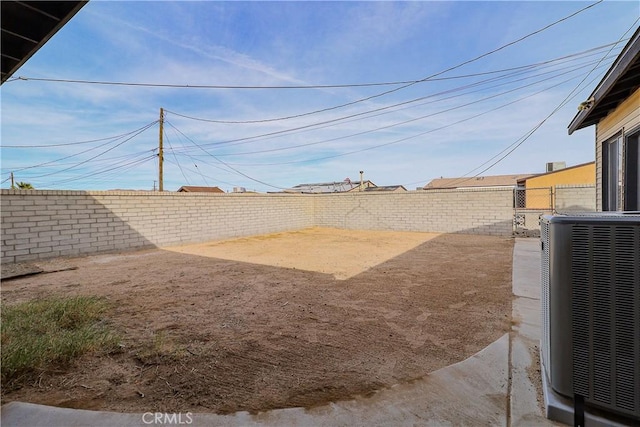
{"points": [[529, 205]]}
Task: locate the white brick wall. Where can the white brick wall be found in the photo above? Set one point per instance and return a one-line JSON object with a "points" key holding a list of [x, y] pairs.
{"points": [[446, 211], [44, 224]]}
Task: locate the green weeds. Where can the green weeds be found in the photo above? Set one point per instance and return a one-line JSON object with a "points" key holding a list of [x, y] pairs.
{"points": [[45, 334]]}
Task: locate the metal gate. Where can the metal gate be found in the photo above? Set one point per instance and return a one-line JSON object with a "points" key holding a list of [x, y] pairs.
{"points": [[529, 204]]}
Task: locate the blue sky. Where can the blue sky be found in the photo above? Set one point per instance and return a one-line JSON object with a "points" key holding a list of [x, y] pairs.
{"points": [[451, 125]]}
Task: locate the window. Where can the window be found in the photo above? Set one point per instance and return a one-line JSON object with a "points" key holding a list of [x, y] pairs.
{"points": [[631, 175], [612, 174]]}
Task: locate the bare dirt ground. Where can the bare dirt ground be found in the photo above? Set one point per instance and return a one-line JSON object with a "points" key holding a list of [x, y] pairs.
{"points": [[282, 320]]}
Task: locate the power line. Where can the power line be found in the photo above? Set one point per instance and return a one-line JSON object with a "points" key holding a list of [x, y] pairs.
{"points": [[344, 119], [414, 82], [97, 155], [227, 165], [75, 143], [385, 108], [57, 160], [572, 94], [416, 135], [110, 170], [188, 86], [107, 170], [522, 68], [174, 156], [82, 152], [419, 134], [319, 125], [415, 119], [207, 176], [235, 170], [197, 146], [104, 160], [453, 67], [198, 171], [253, 87]]}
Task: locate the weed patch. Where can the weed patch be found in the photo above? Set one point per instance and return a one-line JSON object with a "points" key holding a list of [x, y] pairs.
{"points": [[42, 334]]}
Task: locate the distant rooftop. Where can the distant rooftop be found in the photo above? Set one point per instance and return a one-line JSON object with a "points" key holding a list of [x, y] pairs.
{"points": [[475, 182], [329, 187], [386, 188], [194, 189]]}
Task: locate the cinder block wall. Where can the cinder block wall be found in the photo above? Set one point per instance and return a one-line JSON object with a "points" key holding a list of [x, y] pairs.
{"points": [[45, 224], [447, 211], [575, 198]]}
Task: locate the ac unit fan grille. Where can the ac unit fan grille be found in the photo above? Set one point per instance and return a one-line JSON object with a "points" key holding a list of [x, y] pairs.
{"points": [[606, 315]]}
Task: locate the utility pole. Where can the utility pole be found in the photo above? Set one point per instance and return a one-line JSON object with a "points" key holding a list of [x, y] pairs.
{"points": [[160, 153], [13, 185]]}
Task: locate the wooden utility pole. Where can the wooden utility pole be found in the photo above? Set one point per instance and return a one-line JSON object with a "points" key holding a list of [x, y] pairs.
{"points": [[13, 184], [160, 153]]}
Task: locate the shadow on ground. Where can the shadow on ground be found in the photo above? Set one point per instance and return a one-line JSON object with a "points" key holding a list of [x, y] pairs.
{"points": [[211, 335]]}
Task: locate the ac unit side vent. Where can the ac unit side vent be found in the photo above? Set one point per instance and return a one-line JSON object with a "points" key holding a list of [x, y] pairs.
{"points": [[605, 304], [544, 282]]}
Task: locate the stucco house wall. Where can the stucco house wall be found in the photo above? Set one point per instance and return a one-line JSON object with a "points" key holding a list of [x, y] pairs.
{"points": [[541, 190], [624, 119]]}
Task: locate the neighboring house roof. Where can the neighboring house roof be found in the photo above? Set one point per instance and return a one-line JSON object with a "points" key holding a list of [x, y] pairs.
{"points": [[521, 180], [622, 79], [475, 182], [365, 185], [194, 189], [27, 26], [328, 187], [386, 188]]}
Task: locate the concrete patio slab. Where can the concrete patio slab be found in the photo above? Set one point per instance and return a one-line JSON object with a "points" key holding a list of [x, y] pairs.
{"points": [[472, 392], [526, 406]]}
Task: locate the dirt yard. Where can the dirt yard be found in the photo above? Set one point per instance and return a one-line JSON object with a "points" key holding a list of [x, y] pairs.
{"points": [[288, 319]]}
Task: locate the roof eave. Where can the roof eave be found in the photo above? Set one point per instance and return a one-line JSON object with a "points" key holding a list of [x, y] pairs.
{"points": [[61, 23], [619, 67]]}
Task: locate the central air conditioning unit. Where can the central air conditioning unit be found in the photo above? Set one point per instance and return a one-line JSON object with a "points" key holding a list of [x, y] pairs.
{"points": [[590, 299]]}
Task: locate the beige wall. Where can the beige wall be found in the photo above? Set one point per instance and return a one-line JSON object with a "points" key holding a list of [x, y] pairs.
{"points": [[625, 117], [44, 224], [446, 211]]}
